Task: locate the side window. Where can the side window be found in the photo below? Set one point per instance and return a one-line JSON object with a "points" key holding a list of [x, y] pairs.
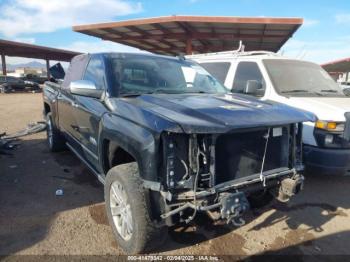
{"points": [[95, 73], [247, 71], [218, 70]]}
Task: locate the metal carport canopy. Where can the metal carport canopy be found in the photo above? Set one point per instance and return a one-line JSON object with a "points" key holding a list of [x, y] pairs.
{"points": [[11, 48], [339, 66], [174, 35]]}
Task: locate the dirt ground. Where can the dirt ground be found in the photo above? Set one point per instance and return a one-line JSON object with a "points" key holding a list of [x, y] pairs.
{"points": [[33, 220]]}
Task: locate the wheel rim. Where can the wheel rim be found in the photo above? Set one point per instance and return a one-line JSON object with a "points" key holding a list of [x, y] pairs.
{"points": [[49, 131], [120, 210]]}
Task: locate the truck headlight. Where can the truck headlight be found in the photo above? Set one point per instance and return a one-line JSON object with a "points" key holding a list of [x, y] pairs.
{"points": [[330, 125]]}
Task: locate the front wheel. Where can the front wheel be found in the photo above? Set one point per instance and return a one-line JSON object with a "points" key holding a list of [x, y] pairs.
{"points": [[128, 211]]}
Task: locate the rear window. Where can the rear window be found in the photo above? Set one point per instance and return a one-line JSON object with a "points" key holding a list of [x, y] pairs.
{"points": [[218, 70]]}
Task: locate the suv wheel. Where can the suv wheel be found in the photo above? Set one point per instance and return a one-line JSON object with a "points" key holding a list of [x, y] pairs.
{"points": [[128, 211], [54, 139]]}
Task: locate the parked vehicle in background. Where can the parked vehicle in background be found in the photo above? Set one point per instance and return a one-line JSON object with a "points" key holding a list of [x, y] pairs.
{"points": [[168, 141], [9, 84], [344, 85], [35, 78], [297, 83], [346, 91]]}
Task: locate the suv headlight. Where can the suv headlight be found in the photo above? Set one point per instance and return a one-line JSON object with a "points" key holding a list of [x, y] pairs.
{"points": [[330, 134], [330, 125]]}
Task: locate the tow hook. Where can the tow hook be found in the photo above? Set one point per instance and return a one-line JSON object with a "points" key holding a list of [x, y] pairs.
{"points": [[290, 187], [233, 205]]}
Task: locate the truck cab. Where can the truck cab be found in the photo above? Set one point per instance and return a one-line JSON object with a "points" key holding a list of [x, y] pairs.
{"points": [[301, 84]]}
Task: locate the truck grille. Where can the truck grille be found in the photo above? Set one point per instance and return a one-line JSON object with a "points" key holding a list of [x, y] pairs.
{"points": [[240, 154]]}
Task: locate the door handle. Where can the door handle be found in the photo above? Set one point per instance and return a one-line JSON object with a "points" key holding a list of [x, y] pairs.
{"points": [[74, 104], [75, 127]]}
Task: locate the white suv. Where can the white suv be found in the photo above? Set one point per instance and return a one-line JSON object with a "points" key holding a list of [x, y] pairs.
{"points": [[297, 83]]}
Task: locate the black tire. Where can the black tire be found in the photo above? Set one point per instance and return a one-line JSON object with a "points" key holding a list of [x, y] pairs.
{"points": [[55, 140], [145, 234], [4, 89]]}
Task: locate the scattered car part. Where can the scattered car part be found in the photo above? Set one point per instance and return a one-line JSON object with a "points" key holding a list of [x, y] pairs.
{"points": [[31, 128]]}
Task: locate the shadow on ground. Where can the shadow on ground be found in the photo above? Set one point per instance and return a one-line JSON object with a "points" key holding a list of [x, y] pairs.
{"points": [[28, 182], [320, 249], [28, 205]]}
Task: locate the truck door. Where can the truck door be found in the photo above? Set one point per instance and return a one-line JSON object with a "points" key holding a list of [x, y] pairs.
{"points": [[66, 102], [66, 121], [88, 112]]}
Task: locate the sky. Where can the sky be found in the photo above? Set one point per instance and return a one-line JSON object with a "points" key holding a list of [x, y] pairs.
{"points": [[324, 36]]}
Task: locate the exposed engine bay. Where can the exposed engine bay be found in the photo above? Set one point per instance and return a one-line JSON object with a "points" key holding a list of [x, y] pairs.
{"points": [[217, 173]]}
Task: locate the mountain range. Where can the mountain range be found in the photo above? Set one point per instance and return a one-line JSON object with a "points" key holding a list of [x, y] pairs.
{"points": [[32, 64]]}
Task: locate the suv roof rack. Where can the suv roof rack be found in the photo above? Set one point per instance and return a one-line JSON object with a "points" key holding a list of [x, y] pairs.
{"points": [[234, 53]]}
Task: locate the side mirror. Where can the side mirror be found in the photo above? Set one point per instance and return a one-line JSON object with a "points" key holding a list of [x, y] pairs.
{"points": [[85, 88], [253, 87]]}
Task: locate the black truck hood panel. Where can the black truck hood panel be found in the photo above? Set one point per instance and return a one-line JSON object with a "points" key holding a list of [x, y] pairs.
{"points": [[205, 113]]}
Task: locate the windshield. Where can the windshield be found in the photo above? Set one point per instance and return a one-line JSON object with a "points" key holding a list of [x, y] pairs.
{"points": [[141, 74], [299, 78]]}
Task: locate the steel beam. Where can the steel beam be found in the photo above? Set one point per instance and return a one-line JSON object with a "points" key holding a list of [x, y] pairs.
{"points": [[48, 69], [3, 63], [189, 46]]}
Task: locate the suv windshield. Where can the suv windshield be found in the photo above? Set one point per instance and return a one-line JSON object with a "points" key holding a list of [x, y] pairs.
{"points": [[300, 78], [144, 74]]}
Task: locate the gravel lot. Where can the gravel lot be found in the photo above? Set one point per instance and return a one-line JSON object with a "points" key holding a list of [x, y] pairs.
{"points": [[33, 220]]}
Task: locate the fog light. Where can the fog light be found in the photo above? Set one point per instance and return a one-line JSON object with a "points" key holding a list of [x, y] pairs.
{"points": [[328, 139]]}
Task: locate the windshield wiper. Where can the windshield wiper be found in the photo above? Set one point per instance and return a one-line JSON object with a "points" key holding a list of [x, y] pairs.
{"points": [[329, 91], [295, 91], [130, 94]]}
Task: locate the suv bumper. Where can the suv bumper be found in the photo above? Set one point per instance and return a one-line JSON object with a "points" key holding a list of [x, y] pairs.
{"points": [[327, 161]]}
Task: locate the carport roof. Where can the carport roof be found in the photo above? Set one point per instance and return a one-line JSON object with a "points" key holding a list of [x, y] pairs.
{"points": [[340, 66], [174, 35], [11, 48]]}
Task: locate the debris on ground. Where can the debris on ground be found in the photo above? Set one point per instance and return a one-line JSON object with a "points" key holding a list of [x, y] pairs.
{"points": [[31, 128], [7, 142]]}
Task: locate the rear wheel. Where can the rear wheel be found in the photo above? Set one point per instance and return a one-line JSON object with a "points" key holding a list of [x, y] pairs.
{"points": [[55, 140], [128, 211]]}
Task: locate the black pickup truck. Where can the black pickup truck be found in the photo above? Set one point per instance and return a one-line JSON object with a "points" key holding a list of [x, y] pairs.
{"points": [[168, 141]]}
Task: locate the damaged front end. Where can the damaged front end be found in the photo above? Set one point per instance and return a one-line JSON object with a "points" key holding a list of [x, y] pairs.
{"points": [[217, 173]]}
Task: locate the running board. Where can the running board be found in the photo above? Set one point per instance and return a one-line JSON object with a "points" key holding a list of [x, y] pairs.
{"points": [[99, 176]]}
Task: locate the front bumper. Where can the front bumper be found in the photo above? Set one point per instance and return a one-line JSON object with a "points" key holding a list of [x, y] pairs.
{"points": [[230, 198], [327, 161]]}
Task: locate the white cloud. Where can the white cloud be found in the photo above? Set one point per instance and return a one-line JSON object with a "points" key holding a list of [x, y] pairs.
{"points": [[317, 51], [99, 46], [310, 22], [28, 40], [96, 46], [41, 16], [342, 18]]}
